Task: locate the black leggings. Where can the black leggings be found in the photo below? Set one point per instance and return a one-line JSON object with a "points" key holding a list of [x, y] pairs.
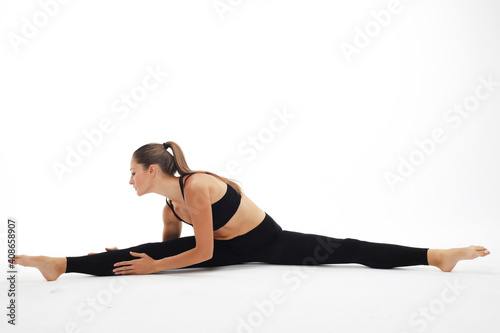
{"points": [[266, 243]]}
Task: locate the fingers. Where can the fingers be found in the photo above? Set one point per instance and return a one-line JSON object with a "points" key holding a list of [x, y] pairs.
{"points": [[106, 248], [142, 255], [124, 267], [128, 263], [124, 270], [123, 263], [128, 267]]}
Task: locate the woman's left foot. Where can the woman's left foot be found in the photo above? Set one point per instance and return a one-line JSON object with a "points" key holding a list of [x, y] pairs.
{"points": [[51, 268]]}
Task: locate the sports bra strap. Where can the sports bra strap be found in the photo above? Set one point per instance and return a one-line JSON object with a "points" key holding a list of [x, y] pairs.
{"points": [[169, 203], [182, 183]]}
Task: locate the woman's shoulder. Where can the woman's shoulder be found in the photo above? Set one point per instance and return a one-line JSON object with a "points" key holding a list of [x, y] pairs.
{"points": [[203, 182], [199, 180], [199, 177]]}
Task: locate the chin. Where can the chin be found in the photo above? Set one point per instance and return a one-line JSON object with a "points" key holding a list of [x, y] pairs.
{"points": [[140, 194]]}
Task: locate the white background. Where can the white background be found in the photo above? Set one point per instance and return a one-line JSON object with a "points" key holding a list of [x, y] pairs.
{"points": [[353, 118]]}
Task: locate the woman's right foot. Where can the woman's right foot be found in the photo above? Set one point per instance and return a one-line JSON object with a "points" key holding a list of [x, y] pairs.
{"points": [[446, 260], [50, 267]]}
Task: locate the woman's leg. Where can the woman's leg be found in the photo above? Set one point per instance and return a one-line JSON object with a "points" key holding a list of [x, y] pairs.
{"points": [[294, 248], [270, 244], [101, 264], [266, 243]]}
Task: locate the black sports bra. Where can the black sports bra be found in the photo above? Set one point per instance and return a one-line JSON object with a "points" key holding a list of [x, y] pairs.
{"points": [[222, 210]]}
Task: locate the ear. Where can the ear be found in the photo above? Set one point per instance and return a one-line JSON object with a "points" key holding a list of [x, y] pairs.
{"points": [[152, 170]]}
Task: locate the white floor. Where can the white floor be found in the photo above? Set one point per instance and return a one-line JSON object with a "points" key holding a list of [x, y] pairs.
{"points": [[265, 298]]}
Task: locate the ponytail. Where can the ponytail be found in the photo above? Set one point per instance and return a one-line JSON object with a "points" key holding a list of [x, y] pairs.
{"points": [[156, 153], [179, 160]]}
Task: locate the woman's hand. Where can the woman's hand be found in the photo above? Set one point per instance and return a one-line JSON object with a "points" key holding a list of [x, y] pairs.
{"points": [[144, 265], [107, 249]]}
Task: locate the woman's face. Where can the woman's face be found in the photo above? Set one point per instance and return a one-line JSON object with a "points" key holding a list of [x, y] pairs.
{"points": [[139, 178]]}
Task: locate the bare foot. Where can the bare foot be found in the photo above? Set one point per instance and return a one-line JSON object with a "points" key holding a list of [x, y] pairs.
{"points": [[446, 260], [51, 268]]}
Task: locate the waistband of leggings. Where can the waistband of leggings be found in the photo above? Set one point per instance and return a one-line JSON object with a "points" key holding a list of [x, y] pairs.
{"points": [[266, 231]]}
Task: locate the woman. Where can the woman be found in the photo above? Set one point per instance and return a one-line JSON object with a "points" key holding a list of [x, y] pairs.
{"points": [[229, 229]]}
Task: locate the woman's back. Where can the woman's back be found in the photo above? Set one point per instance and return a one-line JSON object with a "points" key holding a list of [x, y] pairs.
{"points": [[223, 197]]}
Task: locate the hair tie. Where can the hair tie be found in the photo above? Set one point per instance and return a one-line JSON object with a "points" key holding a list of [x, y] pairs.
{"points": [[166, 146]]}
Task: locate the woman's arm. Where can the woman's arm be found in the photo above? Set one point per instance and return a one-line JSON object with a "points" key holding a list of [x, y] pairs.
{"points": [[172, 227], [200, 209]]}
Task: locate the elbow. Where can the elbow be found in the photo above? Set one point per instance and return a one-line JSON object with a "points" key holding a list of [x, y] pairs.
{"points": [[206, 254], [209, 255]]}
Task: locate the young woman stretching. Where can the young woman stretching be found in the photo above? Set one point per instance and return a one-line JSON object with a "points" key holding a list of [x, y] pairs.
{"points": [[229, 229]]}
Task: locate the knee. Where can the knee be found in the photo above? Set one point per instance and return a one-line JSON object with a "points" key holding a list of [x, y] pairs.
{"points": [[352, 244]]}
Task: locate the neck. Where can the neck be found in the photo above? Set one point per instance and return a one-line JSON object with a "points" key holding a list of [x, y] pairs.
{"points": [[168, 186]]}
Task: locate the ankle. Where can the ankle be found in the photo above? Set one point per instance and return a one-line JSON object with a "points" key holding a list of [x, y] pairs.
{"points": [[61, 264], [435, 257]]}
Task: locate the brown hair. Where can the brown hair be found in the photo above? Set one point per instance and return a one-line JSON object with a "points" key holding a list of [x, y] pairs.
{"points": [[156, 153]]}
